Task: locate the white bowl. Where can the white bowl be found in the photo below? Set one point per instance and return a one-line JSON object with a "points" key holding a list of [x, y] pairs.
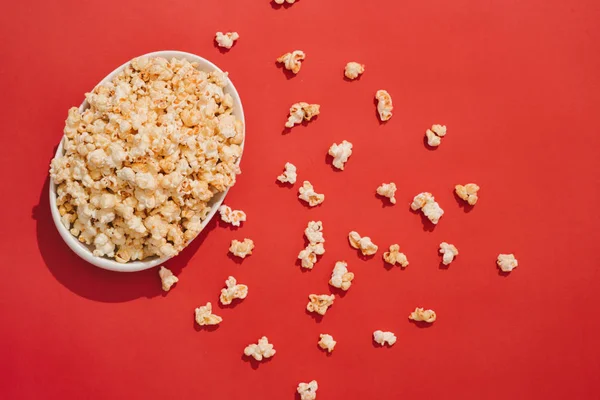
{"points": [[84, 251]]}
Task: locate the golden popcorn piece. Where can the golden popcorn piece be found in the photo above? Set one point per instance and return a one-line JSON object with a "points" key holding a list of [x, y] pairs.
{"points": [[448, 251], [319, 303], [382, 338], [307, 193], [241, 249], [300, 112], [422, 315], [326, 342], [394, 256], [507, 262], [233, 291], [292, 61], [353, 70], [226, 40], [435, 134], [233, 217], [427, 204], [263, 349], [167, 278], [289, 175], [308, 391], [467, 192], [340, 153], [204, 316], [364, 244], [388, 190], [384, 105], [340, 277]]}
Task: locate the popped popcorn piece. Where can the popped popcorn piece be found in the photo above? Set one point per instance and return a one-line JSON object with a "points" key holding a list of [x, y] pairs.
{"points": [[314, 232], [449, 251], [435, 134], [468, 192], [326, 342], [388, 190], [340, 153], [204, 316], [309, 255], [308, 194], [261, 350], [395, 257], [507, 262], [241, 249], [422, 315], [340, 277], [292, 61], [233, 291], [289, 175], [382, 338], [384, 105], [353, 70], [226, 40], [364, 244], [282, 1], [308, 391], [319, 303], [426, 202], [167, 278], [233, 217], [302, 111]]}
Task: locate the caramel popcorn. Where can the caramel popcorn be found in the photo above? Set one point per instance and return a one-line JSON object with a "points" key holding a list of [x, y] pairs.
{"points": [[388, 190], [326, 342], [167, 278], [353, 70], [382, 338], [226, 40], [364, 244], [233, 291], [292, 61], [384, 105], [340, 277], [435, 134], [427, 204], [142, 164], [308, 391], [233, 217], [449, 251], [507, 262], [241, 249], [319, 303], [395, 257], [340, 153], [261, 350], [289, 175], [422, 315], [468, 192], [302, 111], [308, 194], [204, 316]]}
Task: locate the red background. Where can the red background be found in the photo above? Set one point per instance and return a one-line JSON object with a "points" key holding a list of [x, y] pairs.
{"points": [[517, 84]]}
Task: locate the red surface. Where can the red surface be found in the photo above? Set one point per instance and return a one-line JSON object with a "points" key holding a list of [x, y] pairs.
{"points": [[517, 84]]}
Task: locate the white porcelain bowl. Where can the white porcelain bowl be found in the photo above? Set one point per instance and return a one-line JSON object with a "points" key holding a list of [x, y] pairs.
{"points": [[84, 251]]}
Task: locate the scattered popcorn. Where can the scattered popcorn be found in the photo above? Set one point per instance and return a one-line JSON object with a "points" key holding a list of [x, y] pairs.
{"points": [[340, 153], [449, 251], [435, 134], [241, 249], [308, 391], [308, 194], [233, 217], [319, 303], [167, 278], [204, 316], [384, 105], [226, 40], [302, 111], [507, 262], [261, 350], [353, 70], [326, 342], [340, 277], [364, 244], [282, 1], [289, 175], [314, 232], [468, 192], [309, 255], [422, 315], [388, 190], [426, 202], [395, 257], [292, 61], [233, 291], [384, 337]]}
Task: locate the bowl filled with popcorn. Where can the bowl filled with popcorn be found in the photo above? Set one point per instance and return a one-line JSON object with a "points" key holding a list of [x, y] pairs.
{"points": [[146, 160]]}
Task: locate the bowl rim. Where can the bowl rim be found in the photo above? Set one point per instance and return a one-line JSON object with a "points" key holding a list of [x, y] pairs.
{"points": [[105, 263]]}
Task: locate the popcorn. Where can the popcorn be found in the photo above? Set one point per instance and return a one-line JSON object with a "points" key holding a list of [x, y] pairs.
{"points": [[388, 190], [422, 315], [204, 316], [287, 1], [241, 249], [382, 338], [261, 350], [364, 244], [319, 303], [233, 217], [326, 342], [340, 277], [233, 291], [395, 257], [167, 278], [384, 105], [308, 194], [309, 255], [302, 111], [449, 251], [226, 40], [314, 232], [292, 61], [353, 70], [468, 192], [340, 153], [426, 203], [289, 175], [435, 134], [308, 391], [507, 262]]}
